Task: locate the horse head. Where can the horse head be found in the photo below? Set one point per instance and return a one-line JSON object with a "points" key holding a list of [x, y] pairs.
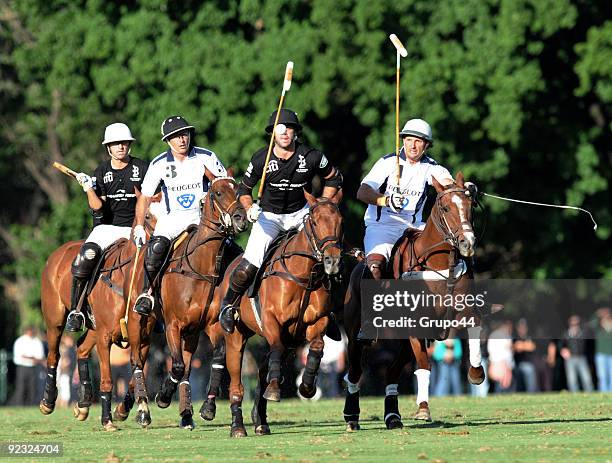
{"points": [[224, 209], [323, 227], [452, 215]]}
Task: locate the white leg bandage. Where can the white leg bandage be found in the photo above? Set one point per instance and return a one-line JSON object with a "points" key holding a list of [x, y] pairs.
{"points": [[351, 387], [474, 346], [391, 389], [422, 385]]}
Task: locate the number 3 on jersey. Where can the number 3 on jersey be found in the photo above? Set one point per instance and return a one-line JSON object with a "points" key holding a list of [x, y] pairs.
{"points": [[170, 171]]}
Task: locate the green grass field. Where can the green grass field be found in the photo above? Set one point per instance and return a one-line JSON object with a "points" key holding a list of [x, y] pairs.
{"points": [[509, 428]]}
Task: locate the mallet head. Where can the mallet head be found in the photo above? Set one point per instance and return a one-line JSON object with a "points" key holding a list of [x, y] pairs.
{"points": [[398, 45]]}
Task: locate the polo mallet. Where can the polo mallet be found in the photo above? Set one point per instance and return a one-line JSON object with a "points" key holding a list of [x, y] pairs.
{"points": [[400, 52], [123, 321], [286, 87], [62, 168]]}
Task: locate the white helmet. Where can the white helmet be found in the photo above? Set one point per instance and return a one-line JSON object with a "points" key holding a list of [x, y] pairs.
{"points": [[117, 132], [418, 128]]}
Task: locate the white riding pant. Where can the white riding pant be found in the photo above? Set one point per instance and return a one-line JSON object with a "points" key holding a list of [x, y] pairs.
{"points": [[105, 235], [267, 227], [171, 225], [380, 238]]}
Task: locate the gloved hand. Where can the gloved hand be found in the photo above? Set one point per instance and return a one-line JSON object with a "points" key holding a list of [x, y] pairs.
{"points": [[85, 181], [471, 188], [253, 213], [395, 201], [139, 235]]}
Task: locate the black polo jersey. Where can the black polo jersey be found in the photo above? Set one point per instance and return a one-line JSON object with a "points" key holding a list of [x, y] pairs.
{"points": [[117, 185], [285, 178]]}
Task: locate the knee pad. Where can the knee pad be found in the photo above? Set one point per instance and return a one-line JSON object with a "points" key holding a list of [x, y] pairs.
{"points": [[243, 274], [86, 260], [157, 249]]}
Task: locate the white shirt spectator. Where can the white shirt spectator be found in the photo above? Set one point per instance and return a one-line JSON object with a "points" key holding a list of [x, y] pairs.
{"points": [[27, 349]]}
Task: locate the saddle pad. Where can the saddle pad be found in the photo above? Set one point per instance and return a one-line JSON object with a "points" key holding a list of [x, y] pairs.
{"points": [[267, 258], [430, 275]]}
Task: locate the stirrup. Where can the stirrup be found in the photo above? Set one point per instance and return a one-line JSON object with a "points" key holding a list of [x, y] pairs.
{"points": [[144, 304], [227, 318], [75, 321]]}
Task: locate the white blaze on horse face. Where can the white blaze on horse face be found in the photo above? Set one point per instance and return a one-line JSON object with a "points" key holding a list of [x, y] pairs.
{"points": [[467, 229]]}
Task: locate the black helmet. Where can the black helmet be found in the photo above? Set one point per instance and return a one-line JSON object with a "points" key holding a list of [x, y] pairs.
{"points": [[174, 124], [287, 117]]}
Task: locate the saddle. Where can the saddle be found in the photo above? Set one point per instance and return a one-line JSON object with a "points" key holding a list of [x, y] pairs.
{"points": [[395, 266], [274, 245]]}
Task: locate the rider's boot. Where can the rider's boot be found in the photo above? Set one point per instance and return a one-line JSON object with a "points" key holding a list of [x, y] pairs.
{"points": [[240, 280], [375, 264], [82, 267], [157, 250]]}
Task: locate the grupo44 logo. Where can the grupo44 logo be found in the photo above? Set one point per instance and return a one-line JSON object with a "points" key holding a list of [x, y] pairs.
{"points": [[186, 200]]}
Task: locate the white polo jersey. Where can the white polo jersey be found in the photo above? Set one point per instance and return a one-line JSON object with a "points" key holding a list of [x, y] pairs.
{"points": [[413, 185], [183, 183]]}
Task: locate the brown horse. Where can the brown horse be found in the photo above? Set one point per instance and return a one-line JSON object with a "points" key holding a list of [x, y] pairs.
{"points": [[448, 230], [187, 289], [295, 305], [107, 307]]}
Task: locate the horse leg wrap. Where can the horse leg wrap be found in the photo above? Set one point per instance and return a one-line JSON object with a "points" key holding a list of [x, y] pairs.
{"points": [[474, 346], [168, 388], [391, 408], [105, 401], [85, 389], [128, 401], [237, 419], [351, 407], [216, 376], [274, 366], [422, 385], [312, 367], [50, 394], [140, 389], [185, 405]]}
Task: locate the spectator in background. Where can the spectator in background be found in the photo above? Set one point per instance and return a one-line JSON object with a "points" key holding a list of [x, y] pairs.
{"points": [[332, 366], [121, 371], [65, 370], [447, 356], [525, 358], [28, 354], [501, 359], [573, 351], [603, 349]]}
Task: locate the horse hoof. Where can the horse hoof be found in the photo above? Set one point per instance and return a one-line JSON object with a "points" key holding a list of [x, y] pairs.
{"points": [[238, 432], [119, 414], [80, 413], [262, 430], [109, 426], [394, 423], [272, 393], [46, 409], [306, 391], [476, 375], [143, 418], [187, 422], [160, 403], [208, 410], [353, 426], [423, 413]]}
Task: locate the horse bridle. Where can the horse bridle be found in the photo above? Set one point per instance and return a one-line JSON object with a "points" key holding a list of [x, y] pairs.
{"points": [[224, 225], [320, 245], [449, 236]]}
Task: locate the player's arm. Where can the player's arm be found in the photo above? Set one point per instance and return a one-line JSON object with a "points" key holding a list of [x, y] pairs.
{"points": [[245, 189]]}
